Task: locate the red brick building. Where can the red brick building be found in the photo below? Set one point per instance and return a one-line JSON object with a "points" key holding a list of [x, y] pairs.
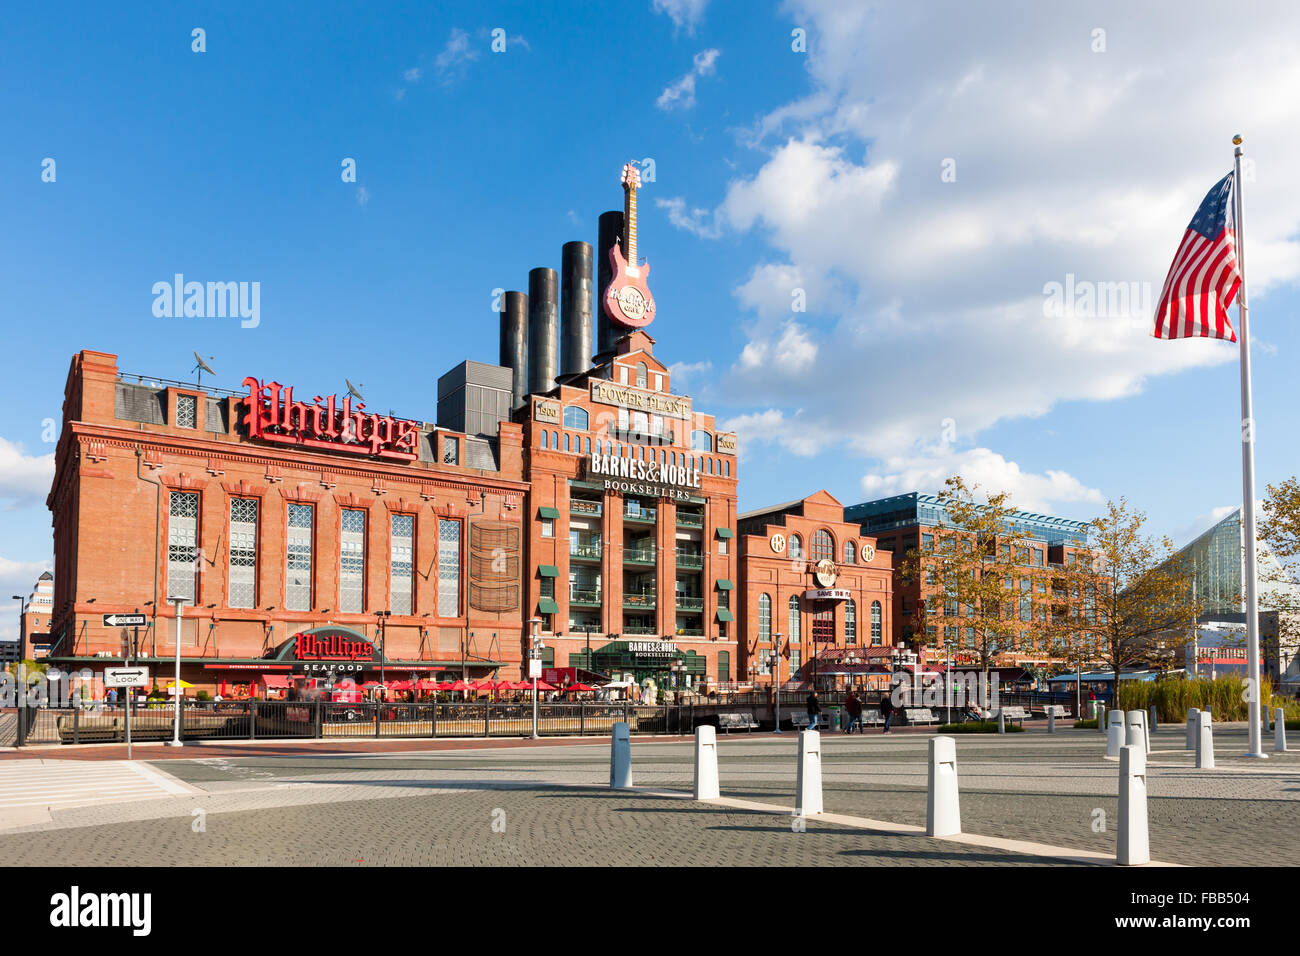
{"points": [[816, 589], [271, 517]]}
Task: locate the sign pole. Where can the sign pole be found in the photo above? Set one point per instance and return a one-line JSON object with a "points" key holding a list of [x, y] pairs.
{"points": [[130, 692], [1247, 474], [176, 697]]}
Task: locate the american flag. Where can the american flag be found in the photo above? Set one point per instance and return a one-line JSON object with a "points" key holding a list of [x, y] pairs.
{"points": [[1204, 278]]}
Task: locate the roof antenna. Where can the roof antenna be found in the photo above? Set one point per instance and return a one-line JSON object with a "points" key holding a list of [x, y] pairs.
{"points": [[355, 390], [201, 368]]}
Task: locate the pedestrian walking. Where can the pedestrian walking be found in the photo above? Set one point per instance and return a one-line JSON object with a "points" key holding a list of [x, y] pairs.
{"points": [[853, 704], [887, 710], [814, 709]]}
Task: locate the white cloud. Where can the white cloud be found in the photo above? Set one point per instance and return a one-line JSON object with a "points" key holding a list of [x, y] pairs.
{"points": [[925, 297], [692, 220], [684, 13], [926, 470], [455, 56], [24, 479], [681, 93], [413, 74], [684, 374]]}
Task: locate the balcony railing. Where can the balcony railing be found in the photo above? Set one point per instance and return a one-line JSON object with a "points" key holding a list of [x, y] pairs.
{"points": [[578, 506], [686, 602], [688, 520], [588, 598], [640, 600], [690, 632], [647, 515], [638, 631], [639, 556], [690, 559], [588, 552]]}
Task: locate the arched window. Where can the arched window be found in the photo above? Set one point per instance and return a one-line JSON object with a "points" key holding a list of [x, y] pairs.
{"points": [[850, 552], [875, 624], [566, 441], [546, 439], [793, 627], [823, 547], [575, 417], [640, 375], [726, 469], [796, 546], [710, 466], [701, 440], [764, 618], [586, 446], [851, 622]]}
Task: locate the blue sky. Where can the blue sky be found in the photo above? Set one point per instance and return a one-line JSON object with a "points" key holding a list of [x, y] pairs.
{"points": [[923, 349]]}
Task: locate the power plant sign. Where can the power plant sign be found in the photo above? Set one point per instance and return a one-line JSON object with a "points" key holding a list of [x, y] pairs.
{"points": [[628, 301]]}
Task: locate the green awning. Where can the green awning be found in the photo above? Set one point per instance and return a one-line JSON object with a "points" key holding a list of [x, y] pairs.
{"points": [[545, 512], [547, 606], [724, 584], [724, 615], [548, 571], [725, 533]]}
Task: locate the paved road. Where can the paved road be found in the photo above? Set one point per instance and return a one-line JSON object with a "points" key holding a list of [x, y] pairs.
{"points": [[550, 806]]}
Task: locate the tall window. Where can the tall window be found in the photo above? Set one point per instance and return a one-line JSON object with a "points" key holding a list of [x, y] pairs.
{"points": [[641, 371], [823, 548], [575, 417], [701, 440], [187, 411], [850, 552], [243, 553], [793, 627], [764, 618], [1026, 601], [352, 561], [402, 565], [876, 626], [448, 568], [796, 546], [297, 591], [182, 545], [851, 622], [823, 627]]}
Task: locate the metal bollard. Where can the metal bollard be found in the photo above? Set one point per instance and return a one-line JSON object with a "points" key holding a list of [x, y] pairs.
{"points": [[1132, 840], [1101, 717], [808, 791], [706, 763], [1205, 741], [1152, 724], [943, 806], [620, 757], [1051, 721], [1002, 723], [1115, 735], [1279, 731], [1135, 722], [1193, 726]]}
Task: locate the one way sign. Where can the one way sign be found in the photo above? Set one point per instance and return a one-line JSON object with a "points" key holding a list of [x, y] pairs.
{"points": [[124, 620]]}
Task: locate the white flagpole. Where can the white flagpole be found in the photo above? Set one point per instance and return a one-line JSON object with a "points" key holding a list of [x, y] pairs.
{"points": [[1247, 472]]}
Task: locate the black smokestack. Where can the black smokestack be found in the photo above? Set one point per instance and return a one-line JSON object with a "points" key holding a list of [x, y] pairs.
{"points": [[514, 343], [543, 330], [610, 231], [575, 307]]}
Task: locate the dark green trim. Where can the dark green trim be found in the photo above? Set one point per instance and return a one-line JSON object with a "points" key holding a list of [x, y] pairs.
{"points": [[724, 615], [548, 571], [724, 584], [547, 606], [545, 512], [725, 533]]}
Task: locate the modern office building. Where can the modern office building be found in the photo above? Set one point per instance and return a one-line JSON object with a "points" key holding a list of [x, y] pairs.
{"points": [[38, 610]]}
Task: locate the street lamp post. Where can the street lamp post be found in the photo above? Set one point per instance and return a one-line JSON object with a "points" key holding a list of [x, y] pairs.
{"points": [[774, 658], [179, 603], [18, 668], [534, 655]]}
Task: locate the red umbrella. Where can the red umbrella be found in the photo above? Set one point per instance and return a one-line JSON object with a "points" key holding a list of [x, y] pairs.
{"points": [[400, 685], [372, 683], [459, 685], [521, 685], [428, 685], [505, 685], [578, 687], [541, 685]]}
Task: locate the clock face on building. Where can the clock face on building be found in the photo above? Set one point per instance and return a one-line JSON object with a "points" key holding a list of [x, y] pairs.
{"points": [[868, 553], [778, 543]]}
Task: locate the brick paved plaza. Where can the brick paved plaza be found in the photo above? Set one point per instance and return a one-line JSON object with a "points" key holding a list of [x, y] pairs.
{"points": [[550, 805]]}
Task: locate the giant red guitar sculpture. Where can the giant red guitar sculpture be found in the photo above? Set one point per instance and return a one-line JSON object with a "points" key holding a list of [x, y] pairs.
{"points": [[627, 300]]}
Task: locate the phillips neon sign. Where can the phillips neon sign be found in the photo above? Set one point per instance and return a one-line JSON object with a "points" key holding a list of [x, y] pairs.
{"points": [[271, 414], [331, 647]]}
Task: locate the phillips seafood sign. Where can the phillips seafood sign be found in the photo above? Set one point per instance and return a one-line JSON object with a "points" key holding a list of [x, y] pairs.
{"points": [[271, 414]]}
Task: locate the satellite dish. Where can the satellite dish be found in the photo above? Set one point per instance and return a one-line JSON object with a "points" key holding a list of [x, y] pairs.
{"points": [[355, 390], [201, 368]]}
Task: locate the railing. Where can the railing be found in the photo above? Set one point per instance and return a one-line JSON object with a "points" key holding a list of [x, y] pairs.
{"points": [[640, 600], [688, 603], [690, 632], [690, 559], [589, 552], [639, 556], [586, 597], [579, 507], [645, 514], [639, 631], [688, 520]]}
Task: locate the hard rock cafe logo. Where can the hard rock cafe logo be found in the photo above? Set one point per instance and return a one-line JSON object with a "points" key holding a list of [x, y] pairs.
{"points": [[825, 572], [271, 414]]}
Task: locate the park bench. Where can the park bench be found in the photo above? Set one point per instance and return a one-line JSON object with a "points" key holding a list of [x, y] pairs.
{"points": [[800, 720], [1057, 710], [872, 716], [1012, 714], [919, 715], [729, 722]]}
